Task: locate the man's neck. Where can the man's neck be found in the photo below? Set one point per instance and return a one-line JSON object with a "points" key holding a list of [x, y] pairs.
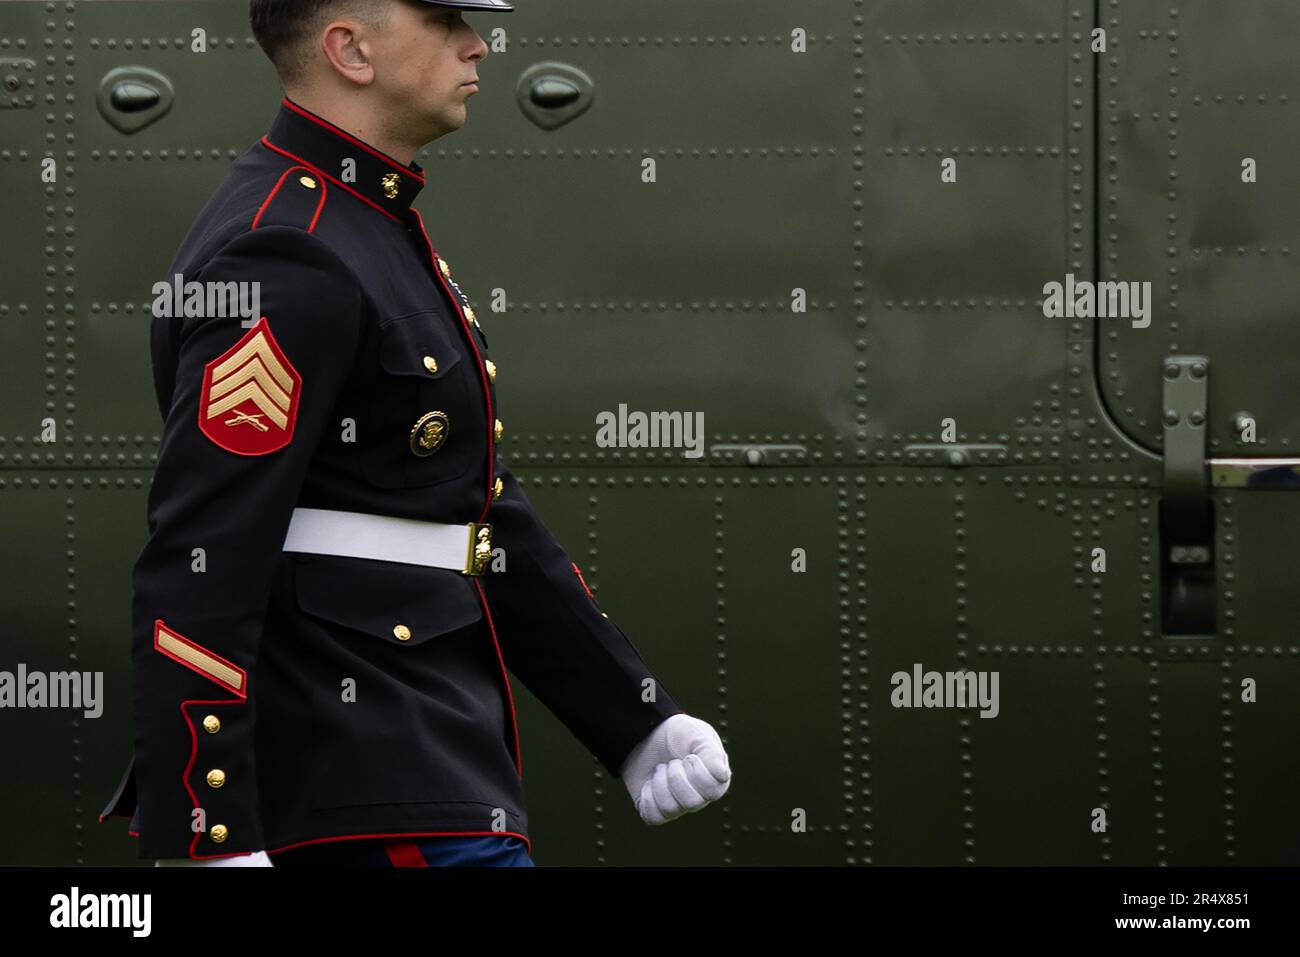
{"points": [[357, 118]]}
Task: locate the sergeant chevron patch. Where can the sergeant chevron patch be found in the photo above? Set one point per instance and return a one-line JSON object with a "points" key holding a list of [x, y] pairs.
{"points": [[250, 395]]}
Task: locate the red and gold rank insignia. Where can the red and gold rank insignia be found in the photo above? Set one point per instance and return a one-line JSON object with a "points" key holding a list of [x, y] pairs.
{"points": [[250, 395]]}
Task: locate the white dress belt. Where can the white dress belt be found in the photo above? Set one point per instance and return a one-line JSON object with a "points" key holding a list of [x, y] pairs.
{"points": [[323, 531]]}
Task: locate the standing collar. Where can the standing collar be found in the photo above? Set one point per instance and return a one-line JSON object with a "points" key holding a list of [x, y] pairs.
{"points": [[379, 181]]}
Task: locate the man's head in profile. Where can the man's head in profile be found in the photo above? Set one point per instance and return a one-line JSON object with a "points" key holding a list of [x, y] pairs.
{"points": [[397, 72]]}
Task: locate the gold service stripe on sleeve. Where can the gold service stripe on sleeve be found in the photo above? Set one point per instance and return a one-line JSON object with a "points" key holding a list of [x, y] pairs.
{"points": [[200, 660]]}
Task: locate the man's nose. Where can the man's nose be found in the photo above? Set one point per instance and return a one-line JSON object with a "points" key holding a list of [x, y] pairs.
{"points": [[480, 49]]}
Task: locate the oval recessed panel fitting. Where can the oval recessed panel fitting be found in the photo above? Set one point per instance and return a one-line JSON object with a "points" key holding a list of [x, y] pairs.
{"points": [[552, 94], [133, 97]]}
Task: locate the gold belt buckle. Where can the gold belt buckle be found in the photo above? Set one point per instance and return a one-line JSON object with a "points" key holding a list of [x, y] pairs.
{"points": [[480, 548]]}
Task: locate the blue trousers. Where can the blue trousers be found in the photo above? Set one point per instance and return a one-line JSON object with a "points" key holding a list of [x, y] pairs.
{"points": [[488, 850]]}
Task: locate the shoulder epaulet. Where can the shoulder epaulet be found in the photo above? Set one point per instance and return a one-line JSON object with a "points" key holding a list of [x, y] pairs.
{"points": [[297, 200]]}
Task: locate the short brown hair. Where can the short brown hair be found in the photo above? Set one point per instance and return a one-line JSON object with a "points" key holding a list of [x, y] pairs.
{"points": [[283, 27]]}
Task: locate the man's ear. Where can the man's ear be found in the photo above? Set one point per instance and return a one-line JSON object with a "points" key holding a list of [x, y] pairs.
{"points": [[347, 52]]}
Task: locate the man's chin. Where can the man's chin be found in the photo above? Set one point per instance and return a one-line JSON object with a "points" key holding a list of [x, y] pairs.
{"points": [[448, 121], [453, 119], [450, 117]]}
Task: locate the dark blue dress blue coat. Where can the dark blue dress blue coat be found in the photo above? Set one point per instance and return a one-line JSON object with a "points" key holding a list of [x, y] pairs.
{"points": [[285, 698]]}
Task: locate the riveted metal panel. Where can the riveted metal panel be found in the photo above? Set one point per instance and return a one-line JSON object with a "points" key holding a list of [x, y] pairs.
{"points": [[104, 528], [161, 35], [70, 539], [748, 204], [1255, 763], [29, 392], [1186, 764], [1122, 758], [781, 643], [1051, 567], [43, 747], [1040, 685], [719, 77], [1258, 771], [33, 278], [910, 764], [1191, 91], [952, 264], [1255, 530], [153, 182], [666, 265]]}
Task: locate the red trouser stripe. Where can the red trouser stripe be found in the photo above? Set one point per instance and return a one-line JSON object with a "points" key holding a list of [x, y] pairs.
{"points": [[405, 854]]}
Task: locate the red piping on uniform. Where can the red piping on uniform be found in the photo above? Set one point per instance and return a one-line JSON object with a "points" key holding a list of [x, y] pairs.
{"points": [[324, 191], [578, 572], [505, 679], [487, 504], [357, 837], [330, 127], [320, 172], [320, 208], [271, 195], [362, 837], [158, 625], [482, 376], [405, 854], [185, 777]]}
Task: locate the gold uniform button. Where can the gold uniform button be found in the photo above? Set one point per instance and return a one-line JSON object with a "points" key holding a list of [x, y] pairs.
{"points": [[307, 181], [219, 833], [603, 615], [497, 488], [431, 363], [498, 430], [446, 270], [491, 368], [469, 314], [211, 724], [216, 778], [402, 632]]}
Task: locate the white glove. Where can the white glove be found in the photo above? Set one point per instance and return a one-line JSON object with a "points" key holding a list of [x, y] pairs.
{"points": [[680, 766], [256, 859]]}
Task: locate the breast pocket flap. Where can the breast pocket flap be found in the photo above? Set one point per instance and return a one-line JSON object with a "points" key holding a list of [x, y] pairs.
{"points": [[417, 345]]}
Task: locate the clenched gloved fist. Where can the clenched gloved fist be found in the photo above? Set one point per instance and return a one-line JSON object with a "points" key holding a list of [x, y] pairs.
{"points": [[680, 766], [256, 859]]}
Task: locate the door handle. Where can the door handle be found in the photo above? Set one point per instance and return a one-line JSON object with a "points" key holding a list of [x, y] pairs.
{"points": [[1187, 557]]}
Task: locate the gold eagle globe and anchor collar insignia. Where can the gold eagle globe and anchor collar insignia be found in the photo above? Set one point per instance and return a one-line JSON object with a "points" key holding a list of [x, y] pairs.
{"points": [[429, 433], [368, 174]]}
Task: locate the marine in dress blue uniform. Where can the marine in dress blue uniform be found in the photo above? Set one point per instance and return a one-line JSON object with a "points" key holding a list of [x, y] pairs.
{"points": [[284, 697]]}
